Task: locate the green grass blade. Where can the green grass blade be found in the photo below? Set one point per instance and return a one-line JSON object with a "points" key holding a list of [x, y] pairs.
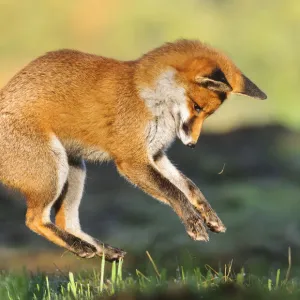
{"points": [[270, 285], [72, 284], [240, 277], [48, 288], [277, 279], [119, 271], [153, 264], [102, 273]]}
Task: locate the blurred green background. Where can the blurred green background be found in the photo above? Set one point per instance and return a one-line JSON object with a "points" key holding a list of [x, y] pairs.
{"points": [[262, 37], [257, 195]]}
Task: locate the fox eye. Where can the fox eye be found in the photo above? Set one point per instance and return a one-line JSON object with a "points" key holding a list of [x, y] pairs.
{"points": [[197, 108]]}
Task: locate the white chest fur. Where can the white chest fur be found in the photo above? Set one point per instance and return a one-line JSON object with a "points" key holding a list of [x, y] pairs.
{"points": [[167, 102], [161, 132]]}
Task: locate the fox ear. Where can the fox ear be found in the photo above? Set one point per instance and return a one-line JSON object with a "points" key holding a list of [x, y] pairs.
{"points": [[216, 81], [250, 89], [212, 84]]}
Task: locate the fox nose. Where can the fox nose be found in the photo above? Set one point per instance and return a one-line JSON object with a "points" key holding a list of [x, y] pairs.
{"points": [[191, 145]]}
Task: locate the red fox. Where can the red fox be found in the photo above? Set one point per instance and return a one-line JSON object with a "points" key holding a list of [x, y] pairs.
{"points": [[67, 107]]}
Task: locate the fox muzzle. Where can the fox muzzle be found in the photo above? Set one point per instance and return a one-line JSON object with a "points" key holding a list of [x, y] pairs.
{"points": [[191, 145]]}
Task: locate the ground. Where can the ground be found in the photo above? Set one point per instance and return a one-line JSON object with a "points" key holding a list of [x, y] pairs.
{"points": [[256, 194]]}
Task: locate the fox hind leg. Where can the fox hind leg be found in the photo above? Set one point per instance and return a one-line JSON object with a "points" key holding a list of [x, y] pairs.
{"points": [[42, 190], [67, 209], [35, 163], [55, 234]]}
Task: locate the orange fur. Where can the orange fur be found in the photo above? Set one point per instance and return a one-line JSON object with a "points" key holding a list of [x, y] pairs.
{"points": [[68, 104], [60, 217]]}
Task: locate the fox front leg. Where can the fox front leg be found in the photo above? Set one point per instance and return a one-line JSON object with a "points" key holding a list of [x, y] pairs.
{"points": [[191, 191], [210, 217], [150, 180]]}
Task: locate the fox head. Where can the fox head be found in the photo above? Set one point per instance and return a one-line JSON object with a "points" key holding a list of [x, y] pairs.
{"points": [[191, 80]]}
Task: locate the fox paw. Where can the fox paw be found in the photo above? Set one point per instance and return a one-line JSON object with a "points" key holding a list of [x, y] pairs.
{"points": [[111, 253], [84, 249], [211, 219], [195, 227]]}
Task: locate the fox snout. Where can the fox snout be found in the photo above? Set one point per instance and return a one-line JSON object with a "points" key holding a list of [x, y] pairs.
{"points": [[188, 140], [190, 130], [191, 145], [185, 135]]}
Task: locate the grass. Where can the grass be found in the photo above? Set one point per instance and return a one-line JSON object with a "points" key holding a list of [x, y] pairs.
{"points": [[116, 282]]}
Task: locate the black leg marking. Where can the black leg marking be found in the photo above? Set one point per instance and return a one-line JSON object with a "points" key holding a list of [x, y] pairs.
{"points": [[184, 209], [158, 156], [77, 245]]}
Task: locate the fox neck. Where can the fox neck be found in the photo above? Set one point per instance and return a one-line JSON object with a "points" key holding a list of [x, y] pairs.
{"points": [[166, 100]]}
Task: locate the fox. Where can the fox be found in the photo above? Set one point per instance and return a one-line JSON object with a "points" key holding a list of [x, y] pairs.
{"points": [[68, 107]]}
